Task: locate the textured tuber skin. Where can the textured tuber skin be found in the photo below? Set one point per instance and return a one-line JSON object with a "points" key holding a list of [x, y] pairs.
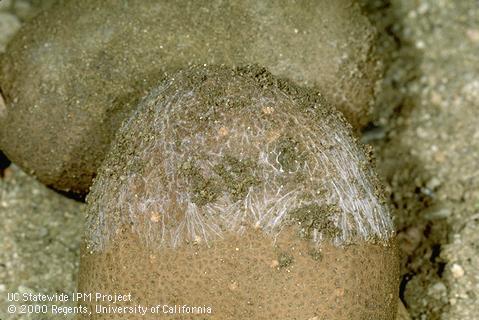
{"points": [[235, 190], [73, 73]]}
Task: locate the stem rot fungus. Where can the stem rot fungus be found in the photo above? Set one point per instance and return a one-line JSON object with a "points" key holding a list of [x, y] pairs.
{"points": [[73, 73], [233, 189]]}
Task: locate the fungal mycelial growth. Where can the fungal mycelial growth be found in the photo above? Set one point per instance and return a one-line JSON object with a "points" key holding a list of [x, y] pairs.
{"points": [[72, 74], [235, 190]]}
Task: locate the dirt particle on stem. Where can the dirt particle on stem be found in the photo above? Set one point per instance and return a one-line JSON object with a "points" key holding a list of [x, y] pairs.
{"points": [[237, 175], [285, 260], [316, 217]]}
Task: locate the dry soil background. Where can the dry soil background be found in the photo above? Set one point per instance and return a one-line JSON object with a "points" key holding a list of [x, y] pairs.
{"points": [[426, 141]]}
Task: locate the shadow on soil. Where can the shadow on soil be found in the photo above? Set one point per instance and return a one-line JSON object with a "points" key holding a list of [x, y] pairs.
{"points": [[421, 235]]}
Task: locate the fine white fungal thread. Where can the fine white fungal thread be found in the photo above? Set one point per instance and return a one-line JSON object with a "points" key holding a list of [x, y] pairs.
{"points": [[153, 196]]}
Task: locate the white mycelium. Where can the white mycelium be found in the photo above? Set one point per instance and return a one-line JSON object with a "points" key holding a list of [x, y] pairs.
{"points": [[187, 168]]}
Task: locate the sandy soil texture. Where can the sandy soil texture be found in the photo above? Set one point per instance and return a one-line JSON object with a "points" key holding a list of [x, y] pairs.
{"points": [[426, 141], [40, 234]]}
